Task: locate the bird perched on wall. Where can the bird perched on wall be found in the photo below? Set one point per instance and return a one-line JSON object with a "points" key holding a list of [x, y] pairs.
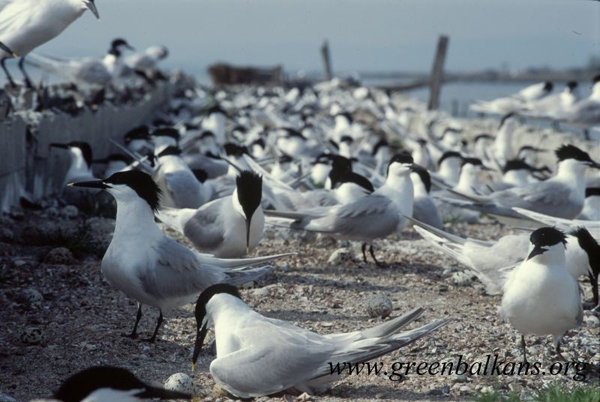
{"points": [[27, 24]]}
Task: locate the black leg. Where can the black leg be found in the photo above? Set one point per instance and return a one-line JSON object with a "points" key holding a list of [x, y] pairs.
{"points": [[380, 265], [586, 132], [8, 76], [28, 83], [556, 125], [364, 251], [524, 346], [160, 320], [138, 317], [594, 281]]}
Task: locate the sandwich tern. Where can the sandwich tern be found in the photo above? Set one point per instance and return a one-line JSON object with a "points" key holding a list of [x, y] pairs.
{"points": [[562, 195], [27, 24], [284, 356], [540, 297], [150, 267], [228, 227]]}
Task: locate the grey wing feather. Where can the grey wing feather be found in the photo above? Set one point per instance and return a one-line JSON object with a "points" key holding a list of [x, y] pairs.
{"points": [[425, 210], [178, 272], [533, 196], [184, 189], [204, 228]]}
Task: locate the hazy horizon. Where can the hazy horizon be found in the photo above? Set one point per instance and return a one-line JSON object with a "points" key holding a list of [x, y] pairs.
{"points": [[385, 35]]}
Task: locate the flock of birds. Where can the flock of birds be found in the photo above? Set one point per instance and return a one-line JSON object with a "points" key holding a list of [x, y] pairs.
{"points": [[352, 163]]}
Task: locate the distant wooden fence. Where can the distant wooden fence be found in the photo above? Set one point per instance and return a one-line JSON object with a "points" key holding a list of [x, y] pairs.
{"points": [[27, 161], [225, 74]]}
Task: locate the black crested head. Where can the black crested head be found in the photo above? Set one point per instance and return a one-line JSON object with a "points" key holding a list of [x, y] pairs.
{"points": [[232, 149], [290, 132], [403, 158], [323, 158], [450, 130], [590, 246], [448, 155], [166, 132], [249, 189], [572, 152], [339, 166], [351, 177], [572, 85], [422, 142], [200, 313], [482, 137], [516, 164], [380, 144], [548, 86], [207, 134], [86, 150], [169, 151], [596, 79], [216, 109], [79, 386], [347, 138], [347, 115], [140, 182], [545, 237], [160, 122], [239, 128], [472, 161], [260, 142], [116, 45], [592, 192], [423, 175], [138, 133], [506, 117], [284, 159]]}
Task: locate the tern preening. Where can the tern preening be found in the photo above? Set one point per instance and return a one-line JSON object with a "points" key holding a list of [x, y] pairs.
{"points": [[110, 384], [540, 297], [259, 356], [150, 267], [27, 24]]}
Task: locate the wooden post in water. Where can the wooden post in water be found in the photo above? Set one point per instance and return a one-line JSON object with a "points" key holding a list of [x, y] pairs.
{"points": [[326, 60], [437, 75]]}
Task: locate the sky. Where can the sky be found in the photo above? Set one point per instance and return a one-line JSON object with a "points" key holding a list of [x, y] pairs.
{"points": [[369, 35]]}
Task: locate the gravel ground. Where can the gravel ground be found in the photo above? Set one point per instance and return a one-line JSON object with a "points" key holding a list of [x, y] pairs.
{"points": [[59, 315]]}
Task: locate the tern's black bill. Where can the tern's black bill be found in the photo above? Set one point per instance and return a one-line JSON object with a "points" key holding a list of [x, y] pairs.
{"points": [[90, 184], [200, 335], [537, 250], [90, 4], [8, 50]]}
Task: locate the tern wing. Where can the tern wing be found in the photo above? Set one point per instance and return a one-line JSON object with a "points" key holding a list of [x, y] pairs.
{"points": [[184, 188], [206, 227]]}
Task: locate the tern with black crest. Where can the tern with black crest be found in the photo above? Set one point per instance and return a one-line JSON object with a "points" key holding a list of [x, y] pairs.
{"points": [[259, 356], [150, 267]]}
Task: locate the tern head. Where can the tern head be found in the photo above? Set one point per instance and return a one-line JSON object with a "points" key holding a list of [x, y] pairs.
{"points": [[117, 45], [548, 86], [232, 149], [201, 314], [483, 137], [474, 163], [571, 85], [339, 166], [400, 164], [138, 133], [78, 149], [249, 196], [590, 246], [169, 151], [90, 4], [112, 382], [547, 241], [573, 155], [128, 186], [382, 144], [423, 175]]}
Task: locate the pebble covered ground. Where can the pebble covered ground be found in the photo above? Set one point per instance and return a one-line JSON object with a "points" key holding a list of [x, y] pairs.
{"points": [[59, 315]]}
